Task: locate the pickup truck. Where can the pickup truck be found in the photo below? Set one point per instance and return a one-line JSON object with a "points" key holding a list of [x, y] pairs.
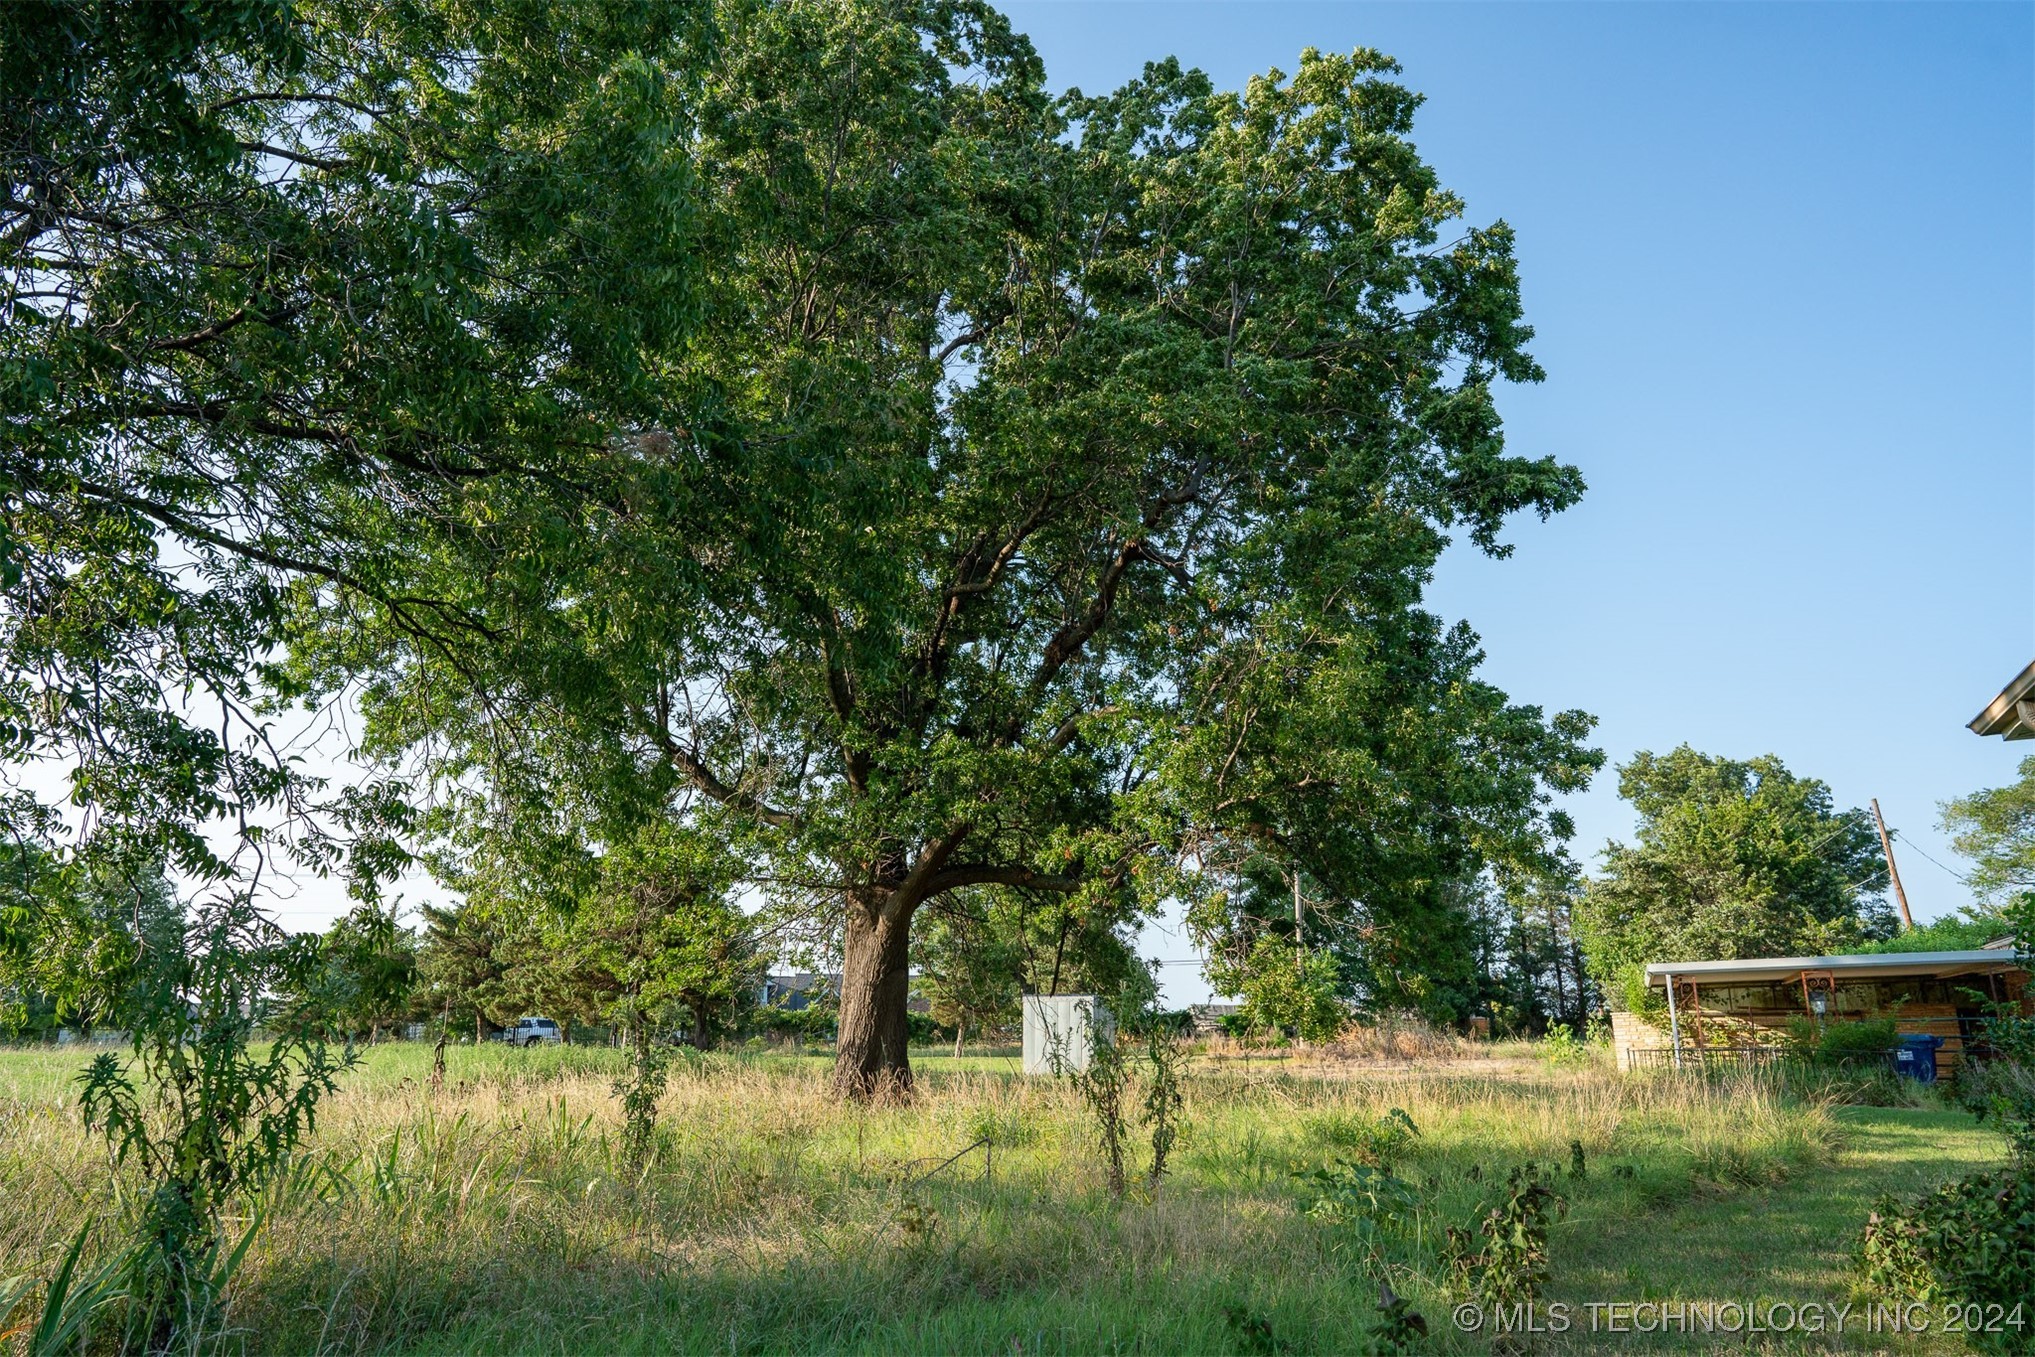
{"points": [[529, 1032]]}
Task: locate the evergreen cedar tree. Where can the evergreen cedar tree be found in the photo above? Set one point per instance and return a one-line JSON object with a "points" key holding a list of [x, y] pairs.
{"points": [[784, 422]]}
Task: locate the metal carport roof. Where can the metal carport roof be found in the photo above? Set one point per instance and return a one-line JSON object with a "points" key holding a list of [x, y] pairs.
{"points": [[1990, 960]]}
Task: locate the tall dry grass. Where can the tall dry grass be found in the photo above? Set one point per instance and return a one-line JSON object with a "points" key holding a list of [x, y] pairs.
{"points": [[496, 1215]]}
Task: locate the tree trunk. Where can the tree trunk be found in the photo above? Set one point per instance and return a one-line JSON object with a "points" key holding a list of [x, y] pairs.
{"points": [[959, 1028], [870, 1059]]}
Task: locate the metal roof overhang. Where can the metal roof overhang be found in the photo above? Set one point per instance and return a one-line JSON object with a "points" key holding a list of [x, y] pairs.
{"points": [[2012, 713], [1989, 962]]}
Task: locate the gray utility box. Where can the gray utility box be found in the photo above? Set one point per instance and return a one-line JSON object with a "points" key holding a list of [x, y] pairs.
{"points": [[1061, 1029]]}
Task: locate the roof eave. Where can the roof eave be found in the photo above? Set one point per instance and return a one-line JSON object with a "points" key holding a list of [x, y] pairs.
{"points": [[1753, 969], [2012, 713]]}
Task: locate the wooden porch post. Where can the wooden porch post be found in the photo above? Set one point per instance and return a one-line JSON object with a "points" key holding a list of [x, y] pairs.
{"points": [[1674, 1023]]}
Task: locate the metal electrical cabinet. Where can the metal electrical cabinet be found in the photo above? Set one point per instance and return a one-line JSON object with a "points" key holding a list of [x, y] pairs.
{"points": [[1061, 1030]]}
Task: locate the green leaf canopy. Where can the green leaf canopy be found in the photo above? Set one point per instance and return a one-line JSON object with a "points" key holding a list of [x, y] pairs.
{"points": [[1042, 502]]}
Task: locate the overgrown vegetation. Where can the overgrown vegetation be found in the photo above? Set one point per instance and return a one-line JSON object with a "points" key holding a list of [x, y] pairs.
{"points": [[502, 1215], [1864, 1045], [205, 1114], [743, 453], [1510, 1265], [1971, 1242]]}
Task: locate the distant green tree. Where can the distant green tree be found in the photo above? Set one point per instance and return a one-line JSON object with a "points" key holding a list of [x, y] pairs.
{"points": [[660, 940], [1996, 830], [1968, 930], [971, 970], [1288, 991], [1507, 951], [465, 964], [1733, 859], [29, 874], [372, 963], [1300, 974], [1540, 977]]}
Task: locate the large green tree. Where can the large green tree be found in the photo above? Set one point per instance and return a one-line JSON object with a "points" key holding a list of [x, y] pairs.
{"points": [[1995, 828], [276, 279], [1733, 858], [1042, 503], [278, 282]]}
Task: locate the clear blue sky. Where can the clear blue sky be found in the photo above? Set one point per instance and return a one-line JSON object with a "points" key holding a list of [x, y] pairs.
{"points": [[1781, 263]]}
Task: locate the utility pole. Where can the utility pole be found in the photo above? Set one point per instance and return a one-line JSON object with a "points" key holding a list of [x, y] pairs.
{"points": [[1893, 872]]}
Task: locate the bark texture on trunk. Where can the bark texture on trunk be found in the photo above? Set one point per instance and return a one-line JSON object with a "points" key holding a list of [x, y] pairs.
{"points": [[870, 1058]]}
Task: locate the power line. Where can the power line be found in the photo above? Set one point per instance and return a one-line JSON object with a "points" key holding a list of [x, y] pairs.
{"points": [[1952, 870], [1843, 824]]}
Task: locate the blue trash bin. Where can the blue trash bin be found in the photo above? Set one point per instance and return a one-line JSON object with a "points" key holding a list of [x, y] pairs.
{"points": [[1916, 1057]]}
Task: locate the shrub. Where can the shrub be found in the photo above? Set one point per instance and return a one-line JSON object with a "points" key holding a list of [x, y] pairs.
{"points": [[1166, 1061], [1115, 1080], [812, 1023], [1562, 1047], [203, 1108], [1399, 1327], [923, 1029], [1998, 1080], [1971, 1242], [639, 1090], [1860, 1045], [1378, 1143], [1512, 1266], [1968, 1242], [1364, 1200]]}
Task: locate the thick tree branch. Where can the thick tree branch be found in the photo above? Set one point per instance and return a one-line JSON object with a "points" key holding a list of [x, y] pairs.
{"points": [[985, 874], [1068, 641], [299, 157], [1069, 728], [914, 887], [702, 777], [207, 334]]}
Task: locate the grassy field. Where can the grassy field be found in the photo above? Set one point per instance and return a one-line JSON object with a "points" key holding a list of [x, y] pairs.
{"points": [[490, 1218]]}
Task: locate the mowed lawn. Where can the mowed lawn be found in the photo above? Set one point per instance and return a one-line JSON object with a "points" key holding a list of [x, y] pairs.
{"points": [[492, 1217]]}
